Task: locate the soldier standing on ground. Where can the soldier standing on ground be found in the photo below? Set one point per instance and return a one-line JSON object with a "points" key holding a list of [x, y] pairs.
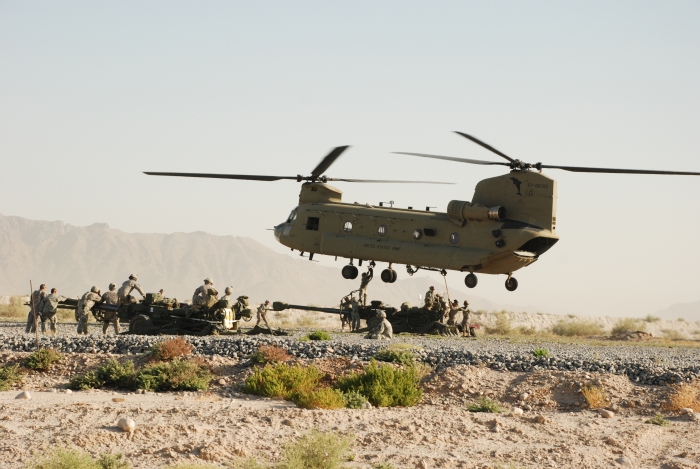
{"points": [[262, 314], [454, 310], [345, 313], [366, 278], [85, 308], [34, 307], [203, 294], [430, 298], [354, 315], [466, 316], [383, 329], [128, 287], [48, 308], [110, 297]]}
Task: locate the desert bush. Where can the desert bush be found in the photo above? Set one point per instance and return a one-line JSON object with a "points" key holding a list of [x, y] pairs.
{"points": [[283, 381], [176, 375], [595, 396], [319, 335], [111, 374], [526, 330], [113, 461], [170, 349], [88, 380], [398, 355], [15, 309], [627, 324], [650, 318], [485, 404], [192, 465], [9, 376], [60, 458], [42, 359], [680, 319], [540, 352], [658, 419], [354, 400], [384, 385], [576, 328], [320, 398], [422, 370], [683, 396], [502, 326], [672, 334], [269, 354], [382, 465], [316, 450]]}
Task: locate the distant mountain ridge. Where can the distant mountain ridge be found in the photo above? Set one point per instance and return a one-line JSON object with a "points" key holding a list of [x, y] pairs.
{"points": [[74, 258]]}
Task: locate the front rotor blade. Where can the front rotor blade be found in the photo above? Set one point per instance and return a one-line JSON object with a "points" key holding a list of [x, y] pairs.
{"points": [[328, 160], [385, 181], [578, 169], [452, 158], [485, 145], [249, 177]]}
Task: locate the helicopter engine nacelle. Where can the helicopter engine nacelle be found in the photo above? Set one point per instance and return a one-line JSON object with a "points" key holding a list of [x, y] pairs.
{"points": [[461, 211]]}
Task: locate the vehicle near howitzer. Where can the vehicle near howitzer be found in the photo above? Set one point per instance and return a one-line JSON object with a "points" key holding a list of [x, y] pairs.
{"points": [[508, 224], [408, 319], [156, 315]]}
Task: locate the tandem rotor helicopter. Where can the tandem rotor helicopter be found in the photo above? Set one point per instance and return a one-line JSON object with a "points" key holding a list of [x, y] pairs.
{"points": [[509, 223]]}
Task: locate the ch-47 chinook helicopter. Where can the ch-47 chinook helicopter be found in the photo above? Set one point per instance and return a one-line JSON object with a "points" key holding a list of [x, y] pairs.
{"points": [[510, 221]]}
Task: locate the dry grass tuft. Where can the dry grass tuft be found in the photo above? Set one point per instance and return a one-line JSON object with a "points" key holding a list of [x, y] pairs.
{"points": [[576, 328], [627, 324], [170, 349], [683, 396], [503, 325], [595, 396], [270, 354]]}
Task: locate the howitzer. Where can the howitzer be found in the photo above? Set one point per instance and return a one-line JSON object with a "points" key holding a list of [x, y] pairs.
{"points": [[157, 315]]}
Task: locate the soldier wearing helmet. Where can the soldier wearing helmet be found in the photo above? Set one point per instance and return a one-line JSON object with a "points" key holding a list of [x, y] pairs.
{"points": [[227, 296], [430, 298], [262, 314], [124, 292], [466, 316], [34, 312], [110, 317], [383, 329], [452, 314], [204, 294], [87, 301]]}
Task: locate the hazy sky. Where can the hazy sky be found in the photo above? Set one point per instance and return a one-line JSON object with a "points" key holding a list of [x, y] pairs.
{"points": [[93, 93]]}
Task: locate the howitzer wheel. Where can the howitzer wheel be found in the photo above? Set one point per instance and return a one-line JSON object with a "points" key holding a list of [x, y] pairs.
{"points": [[141, 324]]}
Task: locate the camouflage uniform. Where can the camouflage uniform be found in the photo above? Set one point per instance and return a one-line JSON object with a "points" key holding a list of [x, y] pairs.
{"points": [[127, 287], [466, 317], [454, 310], [111, 317], [202, 294], [355, 315], [35, 301], [366, 278], [383, 330], [227, 297], [48, 312], [430, 298], [262, 314], [85, 308], [345, 314]]}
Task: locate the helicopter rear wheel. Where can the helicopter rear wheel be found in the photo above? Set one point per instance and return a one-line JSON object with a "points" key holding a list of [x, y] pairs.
{"points": [[511, 284], [349, 272], [389, 275], [471, 280]]}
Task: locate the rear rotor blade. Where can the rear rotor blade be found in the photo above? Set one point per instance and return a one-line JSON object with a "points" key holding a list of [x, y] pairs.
{"points": [[328, 160], [485, 145], [578, 169], [385, 181], [452, 158], [249, 177]]}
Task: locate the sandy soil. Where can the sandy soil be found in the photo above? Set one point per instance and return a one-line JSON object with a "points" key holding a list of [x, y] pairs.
{"points": [[438, 433]]}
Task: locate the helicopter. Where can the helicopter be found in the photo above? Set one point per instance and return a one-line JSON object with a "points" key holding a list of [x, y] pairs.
{"points": [[508, 224]]}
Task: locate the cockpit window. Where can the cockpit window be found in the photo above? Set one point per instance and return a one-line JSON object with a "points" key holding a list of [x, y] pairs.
{"points": [[292, 216]]}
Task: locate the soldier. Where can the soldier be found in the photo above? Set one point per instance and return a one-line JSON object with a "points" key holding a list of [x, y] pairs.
{"points": [[34, 308], [48, 308], [366, 278], [354, 315], [203, 294], [430, 298], [466, 316], [85, 308], [128, 287], [440, 306], [345, 313], [110, 297], [262, 314], [162, 293], [383, 329], [454, 310], [227, 296]]}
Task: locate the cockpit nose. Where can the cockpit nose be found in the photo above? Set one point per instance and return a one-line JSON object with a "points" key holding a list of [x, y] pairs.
{"points": [[278, 231]]}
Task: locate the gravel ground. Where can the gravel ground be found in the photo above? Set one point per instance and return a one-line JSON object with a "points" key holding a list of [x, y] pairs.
{"points": [[643, 365]]}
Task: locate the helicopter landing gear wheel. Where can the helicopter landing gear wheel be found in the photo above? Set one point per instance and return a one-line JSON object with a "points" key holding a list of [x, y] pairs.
{"points": [[389, 275], [470, 280], [511, 284], [349, 272]]}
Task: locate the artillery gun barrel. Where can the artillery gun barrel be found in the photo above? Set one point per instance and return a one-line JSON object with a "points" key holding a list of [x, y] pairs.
{"points": [[280, 306]]}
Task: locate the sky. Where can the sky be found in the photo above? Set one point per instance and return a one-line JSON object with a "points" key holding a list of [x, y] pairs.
{"points": [[94, 93]]}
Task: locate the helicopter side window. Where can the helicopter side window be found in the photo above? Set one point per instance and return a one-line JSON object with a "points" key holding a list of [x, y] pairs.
{"points": [[292, 216], [312, 224], [347, 227]]}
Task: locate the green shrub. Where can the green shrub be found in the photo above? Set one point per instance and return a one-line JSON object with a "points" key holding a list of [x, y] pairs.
{"points": [[576, 328], [627, 324], [9, 376], [113, 461], [111, 374], [382, 465], [659, 420], [64, 459], [283, 381], [42, 359], [321, 398], [385, 385], [176, 375], [316, 450], [485, 404], [319, 335], [89, 380], [395, 355], [502, 326], [354, 400], [540, 352]]}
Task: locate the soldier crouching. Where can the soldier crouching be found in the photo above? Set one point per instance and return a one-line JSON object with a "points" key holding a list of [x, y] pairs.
{"points": [[383, 329]]}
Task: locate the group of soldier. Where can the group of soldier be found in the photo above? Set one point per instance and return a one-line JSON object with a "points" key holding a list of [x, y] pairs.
{"points": [[436, 302], [205, 296]]}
